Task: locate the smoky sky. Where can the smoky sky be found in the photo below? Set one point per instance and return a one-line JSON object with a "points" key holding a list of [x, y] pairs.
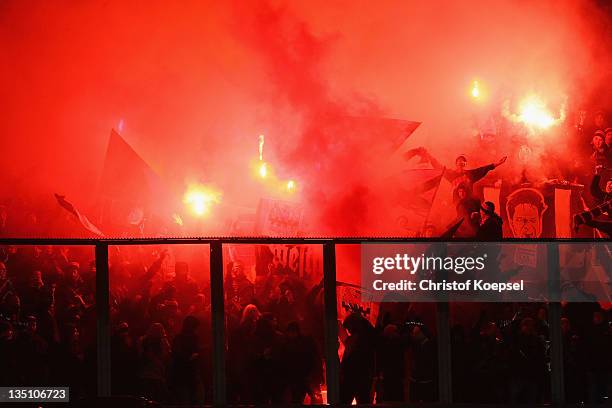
{"points": [[195, 82]]}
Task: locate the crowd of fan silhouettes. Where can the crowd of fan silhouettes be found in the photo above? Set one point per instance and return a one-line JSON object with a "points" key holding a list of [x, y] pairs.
{"points": [[161, 338]]}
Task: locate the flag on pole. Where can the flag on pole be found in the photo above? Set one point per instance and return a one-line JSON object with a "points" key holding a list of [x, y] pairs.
{"points": [[61, 200], [416, 189], [128, 186], [390, 134], [126, 176]]}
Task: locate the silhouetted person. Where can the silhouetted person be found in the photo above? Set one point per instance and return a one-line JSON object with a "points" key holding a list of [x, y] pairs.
{"points": [[391, 365], [528, 363], [573, 364], [488, 363], [357, 365], [423, 375], [303, 365], [241, 353], [155, 351], [186, 376], [266, 375], [33, 351], [599, 357], [285, 308], [186, 287], [9, 374], [600, 153], [124, 361], [466, 206], [490, 228], [461, 175], [33, 294], [460, 364], [68, 361]]}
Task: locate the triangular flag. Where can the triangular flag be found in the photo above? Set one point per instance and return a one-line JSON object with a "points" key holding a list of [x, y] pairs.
{"points": [[126, 176], [391, 133], [128, 184]]}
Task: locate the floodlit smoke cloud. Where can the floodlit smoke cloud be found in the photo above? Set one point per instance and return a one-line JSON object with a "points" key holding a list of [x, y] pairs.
{"points": [[195, 83]]}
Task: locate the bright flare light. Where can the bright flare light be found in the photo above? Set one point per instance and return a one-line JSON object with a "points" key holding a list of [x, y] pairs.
{"points": [[534, 113], [478, 92], [263, 170], [475, 90], [200, 198], [290, 185]]}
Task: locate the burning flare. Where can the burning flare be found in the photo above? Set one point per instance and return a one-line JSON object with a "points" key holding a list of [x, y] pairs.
{"points": [[475, 90], [534, 114], [263, 170], [291, 185], [200, 198]]}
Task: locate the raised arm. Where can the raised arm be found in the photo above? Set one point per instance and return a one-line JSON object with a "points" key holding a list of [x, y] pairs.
{"points": [[155, 266], [435, 163], [479, 172], [424, 155], [500, 162]]}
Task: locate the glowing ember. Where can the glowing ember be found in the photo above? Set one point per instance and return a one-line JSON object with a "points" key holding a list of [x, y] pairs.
{"points": [[290, 185], [475, 90], [261, 145], [200, 198], [177, 219], [263, 170]]}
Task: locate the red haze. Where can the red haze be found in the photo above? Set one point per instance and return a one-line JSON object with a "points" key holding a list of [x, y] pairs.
{"points": [[195, 83]]}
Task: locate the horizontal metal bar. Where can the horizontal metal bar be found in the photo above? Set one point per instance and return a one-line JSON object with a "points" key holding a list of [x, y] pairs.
{"points": [[265, 240]]}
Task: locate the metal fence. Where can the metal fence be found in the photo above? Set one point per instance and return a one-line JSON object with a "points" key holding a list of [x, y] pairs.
{"points": [[331, 316]]}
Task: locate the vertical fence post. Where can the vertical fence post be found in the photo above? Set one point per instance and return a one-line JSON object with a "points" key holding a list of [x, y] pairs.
{"points": [[103, 321], [557, 390], [218, 322], [331, 323], [445, 390]]}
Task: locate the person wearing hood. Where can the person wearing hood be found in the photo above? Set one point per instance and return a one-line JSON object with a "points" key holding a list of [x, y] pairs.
{"points": [[490, 228], [595, 216]]}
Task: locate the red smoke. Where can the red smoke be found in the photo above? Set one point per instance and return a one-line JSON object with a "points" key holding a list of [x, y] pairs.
{"points": [[196, 83]]}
